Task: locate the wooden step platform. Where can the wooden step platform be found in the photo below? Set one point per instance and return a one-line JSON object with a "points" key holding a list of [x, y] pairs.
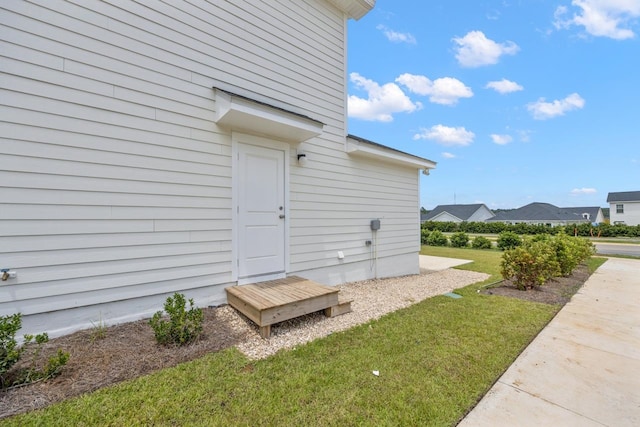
{"points": [[275, 301]]}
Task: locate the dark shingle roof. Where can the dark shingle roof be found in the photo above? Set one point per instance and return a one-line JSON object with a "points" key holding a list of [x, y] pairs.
{"points": [[624, 196], [539, 212], [463, 212], [591, 210]]}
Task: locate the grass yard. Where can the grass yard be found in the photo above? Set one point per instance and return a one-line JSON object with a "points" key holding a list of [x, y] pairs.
{"points": [[435, 360]]}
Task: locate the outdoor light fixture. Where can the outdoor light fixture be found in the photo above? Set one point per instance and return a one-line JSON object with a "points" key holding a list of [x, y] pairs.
{"points": [[302, 158]]}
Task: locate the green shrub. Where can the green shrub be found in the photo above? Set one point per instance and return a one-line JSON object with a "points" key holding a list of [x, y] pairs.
{"points": [[184, 326], [424, 233], [508, 240], [459, 239], [11, 353], [530, 265], [481, 242], [583, 229], [570, 251], [436, 238]]}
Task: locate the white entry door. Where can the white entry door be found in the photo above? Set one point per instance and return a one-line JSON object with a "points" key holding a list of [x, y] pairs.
{"points": [[261, 212]]}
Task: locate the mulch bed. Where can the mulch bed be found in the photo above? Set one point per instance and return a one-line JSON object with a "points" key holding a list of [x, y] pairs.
{"points": [[106, 356], [557, 291], [100, 357]]}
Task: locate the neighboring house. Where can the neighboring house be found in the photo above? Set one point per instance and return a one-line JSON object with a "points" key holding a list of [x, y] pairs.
{"points": [[624, 207], [593, 214], [186, 147], [548, 214], [458, 213]]}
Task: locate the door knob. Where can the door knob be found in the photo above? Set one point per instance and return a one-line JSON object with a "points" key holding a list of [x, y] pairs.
{"points": [[281, 216]]}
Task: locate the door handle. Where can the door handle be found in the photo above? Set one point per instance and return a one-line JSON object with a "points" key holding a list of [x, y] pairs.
{"points": [[281, 216]]}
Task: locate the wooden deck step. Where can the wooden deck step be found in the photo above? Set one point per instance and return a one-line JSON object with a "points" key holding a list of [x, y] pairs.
{"points": [[343, 307], [275, 301]]}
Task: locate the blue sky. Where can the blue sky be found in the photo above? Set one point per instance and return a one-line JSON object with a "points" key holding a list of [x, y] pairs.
{"points": [[517, 101]]}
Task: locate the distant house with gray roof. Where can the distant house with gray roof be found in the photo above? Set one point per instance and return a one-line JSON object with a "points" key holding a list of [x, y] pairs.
{"points": [[593, 214], [458, 213], [548, 214], [624, 207]]}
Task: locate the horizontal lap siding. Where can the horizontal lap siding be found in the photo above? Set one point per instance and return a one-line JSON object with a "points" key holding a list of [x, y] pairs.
{"points": [[335, 196], [115, 182]]}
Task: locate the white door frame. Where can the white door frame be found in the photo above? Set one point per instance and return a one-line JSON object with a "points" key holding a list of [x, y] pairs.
{"points": [[241, 138]]}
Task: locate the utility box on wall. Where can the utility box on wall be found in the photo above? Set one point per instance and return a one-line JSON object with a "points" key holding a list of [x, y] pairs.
{"points": [[375, 224]]}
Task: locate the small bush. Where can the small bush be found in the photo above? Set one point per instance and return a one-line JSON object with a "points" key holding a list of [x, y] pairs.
{"points": [[183, 327], [436, 238], [570, 251], [481, 242], [459, 239], [531, 265], [424, 234], [508, 240], [11, 353]]}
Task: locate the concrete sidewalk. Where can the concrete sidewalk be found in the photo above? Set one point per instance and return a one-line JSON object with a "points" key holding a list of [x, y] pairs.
{"points": [[437, 263], [583, 369]]}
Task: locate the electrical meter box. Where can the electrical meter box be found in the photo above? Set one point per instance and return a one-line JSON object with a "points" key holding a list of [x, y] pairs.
{"points": [[375, 224]]}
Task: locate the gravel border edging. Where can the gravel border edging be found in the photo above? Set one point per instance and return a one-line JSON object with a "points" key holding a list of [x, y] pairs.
{"points": [[371, 300]]}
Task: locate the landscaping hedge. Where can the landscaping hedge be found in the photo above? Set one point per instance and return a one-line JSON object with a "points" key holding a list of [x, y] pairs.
{"points": [[582, 230], [542, 257]]}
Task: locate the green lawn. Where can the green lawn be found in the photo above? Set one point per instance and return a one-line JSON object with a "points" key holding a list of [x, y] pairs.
{"points": [[435, 358]]}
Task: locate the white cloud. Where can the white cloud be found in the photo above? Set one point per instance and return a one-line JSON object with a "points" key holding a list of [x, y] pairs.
{"points": [[577, 191], [447, 136], [504, 86], [501, 139], [542, 110], [381, 102], [476, 50], [445, 90], [448, 155], [525, 135], [601, 18], [396, 37]]}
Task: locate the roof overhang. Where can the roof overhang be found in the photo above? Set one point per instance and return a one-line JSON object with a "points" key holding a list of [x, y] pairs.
{"points": [[354, 9], [443, 213], [243, 114], [360, 147]]}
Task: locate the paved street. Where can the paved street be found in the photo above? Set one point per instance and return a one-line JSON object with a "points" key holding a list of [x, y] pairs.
{"points": [[618, 249]]}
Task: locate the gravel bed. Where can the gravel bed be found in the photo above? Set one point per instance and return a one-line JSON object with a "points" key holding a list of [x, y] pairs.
{"points": [[371, 300]]}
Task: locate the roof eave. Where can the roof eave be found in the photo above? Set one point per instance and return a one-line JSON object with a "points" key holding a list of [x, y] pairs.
{"points": [[361, 147], [354, 9]]}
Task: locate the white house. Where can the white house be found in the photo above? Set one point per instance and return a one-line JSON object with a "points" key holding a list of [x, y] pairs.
{"points": [[478, 212], [547, 214], [158, 147], [624, 207]]}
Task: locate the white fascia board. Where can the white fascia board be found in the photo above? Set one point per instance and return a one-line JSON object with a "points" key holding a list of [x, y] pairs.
{"points": [[241, 114], [375, 151], [441, 214], [354, 9]]}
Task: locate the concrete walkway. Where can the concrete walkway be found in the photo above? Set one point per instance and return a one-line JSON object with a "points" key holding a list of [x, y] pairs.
{"points": [[437, 263], [583, 369]]}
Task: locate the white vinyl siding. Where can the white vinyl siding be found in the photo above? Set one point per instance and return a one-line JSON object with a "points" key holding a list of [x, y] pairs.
{"points": [[333, 199], [115, 182], [480, 215], [630, 214]]}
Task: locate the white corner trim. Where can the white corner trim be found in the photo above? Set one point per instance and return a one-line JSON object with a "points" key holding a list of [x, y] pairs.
{"points": [[365, 149], [241, 114]]}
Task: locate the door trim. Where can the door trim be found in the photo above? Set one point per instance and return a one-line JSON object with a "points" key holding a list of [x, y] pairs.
{"points": [[238, 138]]}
